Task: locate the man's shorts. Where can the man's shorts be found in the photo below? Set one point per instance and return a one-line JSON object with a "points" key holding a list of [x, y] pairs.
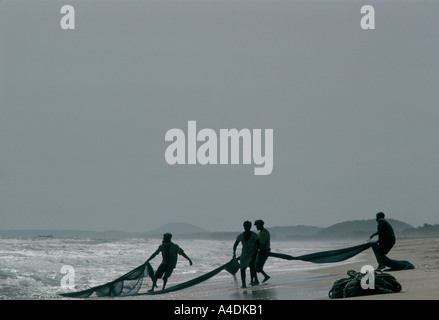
{"points": [[261, 259], [164, 270]]}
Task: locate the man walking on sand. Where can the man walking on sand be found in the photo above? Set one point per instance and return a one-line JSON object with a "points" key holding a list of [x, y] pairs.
{"points": [[250, 242], [386, 240], [170, 252], [264, 250]]}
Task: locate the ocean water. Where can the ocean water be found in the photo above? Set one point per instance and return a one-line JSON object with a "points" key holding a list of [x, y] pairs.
{"points": [[34, 267]]}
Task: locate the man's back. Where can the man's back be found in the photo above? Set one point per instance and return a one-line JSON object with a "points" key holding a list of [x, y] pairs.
{"points": [[264, 240], [386, 236], [170, 252]]}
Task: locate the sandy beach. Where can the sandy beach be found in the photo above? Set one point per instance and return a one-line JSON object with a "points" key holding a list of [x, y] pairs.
{"points": [[421, 283]]}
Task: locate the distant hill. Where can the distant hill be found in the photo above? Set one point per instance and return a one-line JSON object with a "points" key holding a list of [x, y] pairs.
{"points": [[359, 229]]}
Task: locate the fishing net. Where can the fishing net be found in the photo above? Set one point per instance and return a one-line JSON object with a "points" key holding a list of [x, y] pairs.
{"points": [[394, 265], [126, 285], [344, 254], [351, 286], [326, 256], [232, 267], [130, 283]]}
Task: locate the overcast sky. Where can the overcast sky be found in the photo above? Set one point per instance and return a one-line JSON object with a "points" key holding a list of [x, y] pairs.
{"points": [[84, 112]]}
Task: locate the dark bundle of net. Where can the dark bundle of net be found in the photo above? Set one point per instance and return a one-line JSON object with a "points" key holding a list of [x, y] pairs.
{"points": [[352, 287]]}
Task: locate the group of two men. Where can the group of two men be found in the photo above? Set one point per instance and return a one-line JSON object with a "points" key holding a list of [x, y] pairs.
{"points": [[255, 251]]}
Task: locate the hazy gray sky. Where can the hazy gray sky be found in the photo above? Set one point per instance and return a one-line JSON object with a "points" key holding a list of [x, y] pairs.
{"points": [[84, 112]]}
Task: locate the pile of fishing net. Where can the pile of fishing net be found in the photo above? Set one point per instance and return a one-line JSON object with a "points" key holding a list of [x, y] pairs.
{"points": [[351, 287]]}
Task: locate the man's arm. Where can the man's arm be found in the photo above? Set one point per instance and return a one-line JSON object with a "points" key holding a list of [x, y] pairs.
{"points": [[184, 255], [181, 252], [153, 255], [235, 245], [380, 227]]}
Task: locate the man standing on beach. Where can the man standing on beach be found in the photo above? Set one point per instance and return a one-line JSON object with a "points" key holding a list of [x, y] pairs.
{"points": [[386, 240], [264, 250], [250, 243], [170, 252]]}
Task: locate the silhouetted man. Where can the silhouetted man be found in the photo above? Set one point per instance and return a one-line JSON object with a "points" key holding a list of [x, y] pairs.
{"points": [[250, 243], [386, 240], [170, 252], [264, 250]]}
